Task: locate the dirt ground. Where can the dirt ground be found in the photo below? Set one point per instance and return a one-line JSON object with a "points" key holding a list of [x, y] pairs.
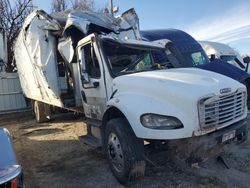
{"points": [[52, 155]]}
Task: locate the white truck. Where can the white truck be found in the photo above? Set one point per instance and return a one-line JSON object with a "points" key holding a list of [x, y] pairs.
{"points": [[96, 64], [224, 52]]}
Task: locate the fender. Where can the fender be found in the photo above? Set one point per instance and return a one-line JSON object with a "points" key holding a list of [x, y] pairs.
{"points": [[130, 105], [9, 168]]}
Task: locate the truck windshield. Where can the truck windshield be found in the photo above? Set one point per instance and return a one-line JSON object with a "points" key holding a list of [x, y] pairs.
{"points": [[126, 59], [232, 59], [186, 58]]}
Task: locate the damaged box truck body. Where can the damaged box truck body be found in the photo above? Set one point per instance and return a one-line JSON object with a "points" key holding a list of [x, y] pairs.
{"points": [[46, 55], [97, 65]]}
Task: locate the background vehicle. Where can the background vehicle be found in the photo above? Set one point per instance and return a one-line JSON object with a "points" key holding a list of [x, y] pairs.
{"points": [[191, 54], [225, 52], [96, 64], [10, 171]]}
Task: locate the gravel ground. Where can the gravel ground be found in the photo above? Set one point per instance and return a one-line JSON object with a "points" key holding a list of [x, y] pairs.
{"points": [[52, 155]]}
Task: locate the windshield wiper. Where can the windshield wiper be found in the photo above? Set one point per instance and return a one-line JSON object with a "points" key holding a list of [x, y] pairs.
{"points": [[133, 64]]}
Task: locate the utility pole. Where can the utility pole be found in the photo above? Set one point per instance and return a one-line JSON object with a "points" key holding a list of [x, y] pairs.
{"points": [[111, 8]]}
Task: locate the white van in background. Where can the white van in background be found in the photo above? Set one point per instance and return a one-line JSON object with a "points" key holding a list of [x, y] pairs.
{"points": [[224, 52]]}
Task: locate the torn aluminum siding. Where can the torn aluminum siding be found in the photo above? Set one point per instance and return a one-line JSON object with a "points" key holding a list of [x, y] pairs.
{"points": [[35, 52]]}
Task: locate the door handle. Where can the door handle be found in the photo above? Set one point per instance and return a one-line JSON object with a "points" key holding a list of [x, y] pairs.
{"points": [[95, 85]]}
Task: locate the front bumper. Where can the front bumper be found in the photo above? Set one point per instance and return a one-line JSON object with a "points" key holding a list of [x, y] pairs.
{"points": [[12, 179], [197, 149]]}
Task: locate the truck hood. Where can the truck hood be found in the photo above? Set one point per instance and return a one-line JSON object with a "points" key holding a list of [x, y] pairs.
{"points": [[178, 82], [226, 69]]}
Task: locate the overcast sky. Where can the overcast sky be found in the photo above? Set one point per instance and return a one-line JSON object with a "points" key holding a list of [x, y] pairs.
{"points": [[225, 21]]}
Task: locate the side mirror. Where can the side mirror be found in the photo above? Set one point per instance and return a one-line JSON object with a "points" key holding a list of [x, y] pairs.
{"points": [[246, 59], [212, 57]]}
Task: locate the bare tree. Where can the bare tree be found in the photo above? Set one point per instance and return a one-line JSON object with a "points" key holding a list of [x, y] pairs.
{"points": [[62, 5], [83, 5], [58, 5], [11, 19]]}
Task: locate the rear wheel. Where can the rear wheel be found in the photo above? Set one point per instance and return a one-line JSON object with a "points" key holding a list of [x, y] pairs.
{"points": [[125, 151], [41, 111]]}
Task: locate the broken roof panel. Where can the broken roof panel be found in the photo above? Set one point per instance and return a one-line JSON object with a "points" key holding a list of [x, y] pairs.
{"points": [[83, 19], [88, 22]]}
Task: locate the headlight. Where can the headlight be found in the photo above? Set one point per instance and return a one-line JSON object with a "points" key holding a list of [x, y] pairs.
{"points": [[155, 121]]}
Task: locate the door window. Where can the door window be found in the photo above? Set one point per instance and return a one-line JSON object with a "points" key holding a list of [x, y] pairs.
{"points": [[92, 64], [198, 59]]}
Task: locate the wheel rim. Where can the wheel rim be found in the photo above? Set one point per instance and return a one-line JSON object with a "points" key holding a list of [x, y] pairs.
{"points": [[115, 153]]}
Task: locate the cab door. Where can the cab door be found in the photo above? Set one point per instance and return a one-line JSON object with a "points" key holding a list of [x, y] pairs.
{"points": [[93, 90]]}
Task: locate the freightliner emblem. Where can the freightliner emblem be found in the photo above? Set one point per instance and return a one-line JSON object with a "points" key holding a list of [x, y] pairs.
{"points": [[225, 90]]}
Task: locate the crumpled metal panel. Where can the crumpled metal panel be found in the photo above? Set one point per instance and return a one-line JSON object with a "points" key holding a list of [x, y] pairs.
{"points": [[83, 19], [66, 49], [132, 19], [124, 26]]}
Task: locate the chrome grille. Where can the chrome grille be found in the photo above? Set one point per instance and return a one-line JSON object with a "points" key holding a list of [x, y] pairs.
{"points": [[217, 111]]}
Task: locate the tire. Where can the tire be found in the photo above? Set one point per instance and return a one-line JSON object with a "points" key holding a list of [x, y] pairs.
{"points": [[125, 152], [41, 111]]}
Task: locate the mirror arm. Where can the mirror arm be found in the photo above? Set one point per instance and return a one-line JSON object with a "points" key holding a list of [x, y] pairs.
{"points": [[92, 56], [246, 60], [247, 66]]}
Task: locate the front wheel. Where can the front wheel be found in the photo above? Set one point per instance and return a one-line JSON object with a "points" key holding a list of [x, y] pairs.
{"points": [[125, 151]]}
